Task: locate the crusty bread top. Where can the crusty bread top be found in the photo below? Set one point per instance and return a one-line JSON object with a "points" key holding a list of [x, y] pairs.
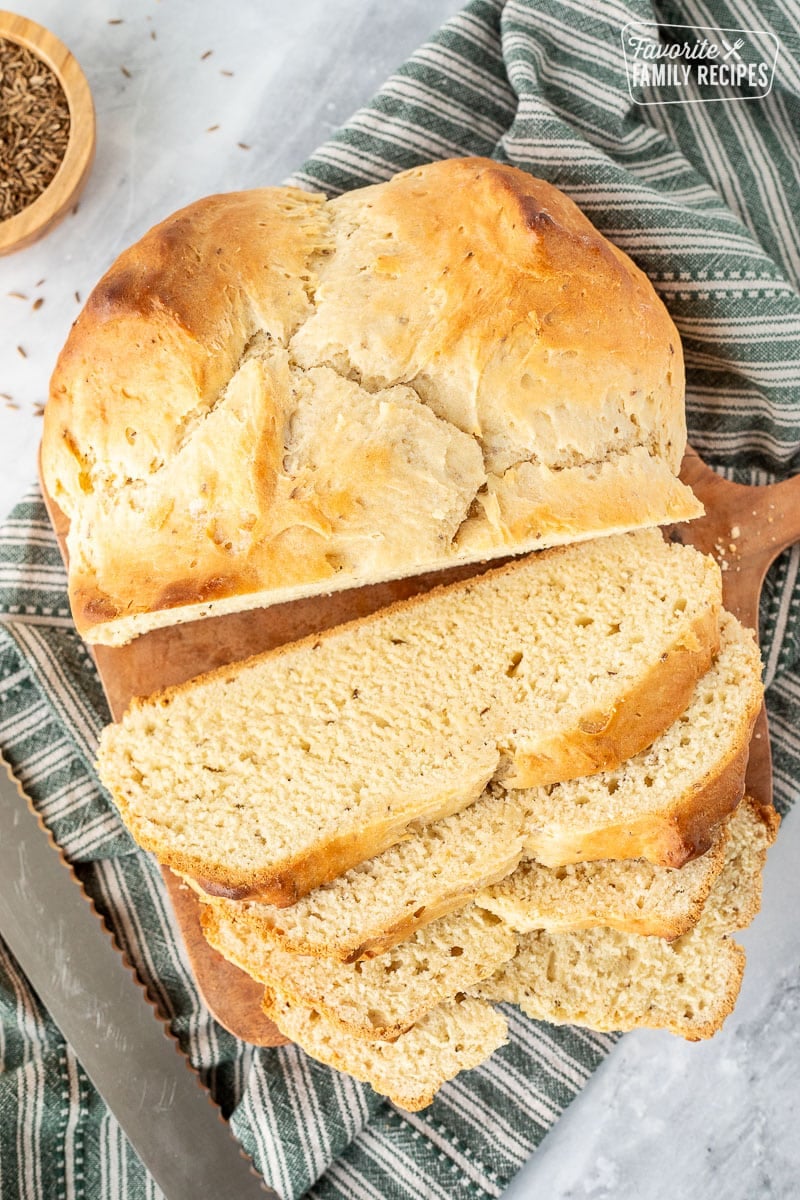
{"points": [[270, 395]]}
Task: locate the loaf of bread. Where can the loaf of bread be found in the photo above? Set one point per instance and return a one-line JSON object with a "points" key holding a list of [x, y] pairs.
{"points": [[608, 980], [271, 776], [270, 396], [454, 1036]]}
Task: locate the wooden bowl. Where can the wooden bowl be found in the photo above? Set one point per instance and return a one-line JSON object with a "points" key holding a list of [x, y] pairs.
{"points": [[64, 188]]}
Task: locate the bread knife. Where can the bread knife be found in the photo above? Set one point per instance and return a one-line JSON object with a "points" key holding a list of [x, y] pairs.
{"points": [[63, 947]]}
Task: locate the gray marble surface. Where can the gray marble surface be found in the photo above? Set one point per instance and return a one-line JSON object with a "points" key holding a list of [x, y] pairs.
{"points": [[661, 1118]]}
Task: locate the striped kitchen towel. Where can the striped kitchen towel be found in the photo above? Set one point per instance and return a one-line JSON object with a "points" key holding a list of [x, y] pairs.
{"points": [[705, 197]]}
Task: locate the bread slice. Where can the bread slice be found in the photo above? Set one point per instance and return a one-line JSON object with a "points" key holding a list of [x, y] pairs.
{"points": [[436, 869], [452, 1037], [375, 998], [665, 803], [633, 896], [737, 891], [440, 866], [269, 777], [608, 980]]}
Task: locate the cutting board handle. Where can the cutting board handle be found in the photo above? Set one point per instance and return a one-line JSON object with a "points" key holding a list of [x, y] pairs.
{"points": [[745, 528]]}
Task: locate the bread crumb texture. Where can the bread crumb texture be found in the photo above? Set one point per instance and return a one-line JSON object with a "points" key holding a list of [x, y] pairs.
{"points": [[609, 980], [276, 774], [439, 866], [456, 1035], [376, 998], [272, 396]]}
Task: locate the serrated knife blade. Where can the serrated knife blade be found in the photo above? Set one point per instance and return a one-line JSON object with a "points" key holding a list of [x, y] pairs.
{"points": [[67, 954]]}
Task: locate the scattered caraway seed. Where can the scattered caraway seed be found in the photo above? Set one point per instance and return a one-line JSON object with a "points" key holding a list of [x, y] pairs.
{"points": [[18, 295], [115, 21], [243, 145], [39, 282], [5, 396], [77, 297], [11, 403], [228, 73], [207, 54], [34, 127], [211, 128], [126, 72], [21, 352], [153, 34], [38, 409], [37, 304]]}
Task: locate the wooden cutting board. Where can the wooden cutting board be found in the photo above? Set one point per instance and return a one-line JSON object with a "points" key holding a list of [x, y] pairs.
{"points": [[744, 528]]}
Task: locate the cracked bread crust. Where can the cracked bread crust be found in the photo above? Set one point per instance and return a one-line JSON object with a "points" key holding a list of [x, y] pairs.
{"points": [[272, 396]]}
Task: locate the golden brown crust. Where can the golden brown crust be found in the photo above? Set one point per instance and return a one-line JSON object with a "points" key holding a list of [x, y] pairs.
{"points": [[609, 738], [768, 816], [670, 839], [187, 436]]}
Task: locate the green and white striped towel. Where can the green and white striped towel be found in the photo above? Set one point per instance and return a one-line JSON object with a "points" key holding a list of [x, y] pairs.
{"points": [[705, 198]]}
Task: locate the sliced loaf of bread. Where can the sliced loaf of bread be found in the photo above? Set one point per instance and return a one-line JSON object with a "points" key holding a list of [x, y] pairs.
{"points": [[604, 980], [376, 998], [452, 1037], [440, 866], [269, 777], [608, 980]]}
